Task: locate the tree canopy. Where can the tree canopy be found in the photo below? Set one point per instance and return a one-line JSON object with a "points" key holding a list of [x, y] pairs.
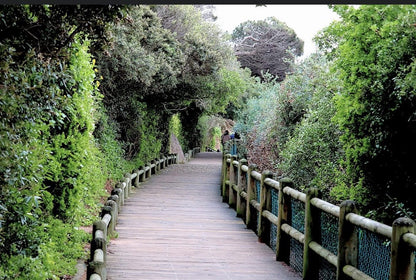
{"points": [[374, 51], [266, 45], [86, 94]]}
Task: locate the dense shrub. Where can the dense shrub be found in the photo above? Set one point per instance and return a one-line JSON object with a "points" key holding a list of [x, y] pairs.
{"points": [[373, 48], [51, 168], [312, 153]]}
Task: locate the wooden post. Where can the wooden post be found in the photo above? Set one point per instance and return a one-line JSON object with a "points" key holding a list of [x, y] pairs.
{"points": [[118, 191], [99, 241], [158, 168], [283, 217], [263, 225], [233, 176], [312, 233], [226, 178], [97, 265], [114, 216], [108, 210], [251, 184], [241, 180], [116, 199], [347, 240], [402, 263], [223, 174], [149, 171], [165, 161], [127, 180], [136, 182], [122, 186], [152, 169], [142, 176]]}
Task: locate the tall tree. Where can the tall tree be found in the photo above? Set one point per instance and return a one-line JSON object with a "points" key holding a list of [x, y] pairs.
{"points": [[266, 45], [374, 51]]}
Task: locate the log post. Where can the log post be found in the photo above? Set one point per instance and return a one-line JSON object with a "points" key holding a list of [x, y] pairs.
{"points": [[136, 182], [118, 191], [284, 217], [122, 186], [95, 276], [111, 226], [251, 184], [152, 169], [97, 265], [312, 233], [99, 240], [226, 178], [149, 171], [116, 199], [402, 262], [158, 168], [114, 216], [347, 239], [164, 163], [241, 180], [127, 180], [223, 174], [263, 225], [143, 175], [233, 176]]}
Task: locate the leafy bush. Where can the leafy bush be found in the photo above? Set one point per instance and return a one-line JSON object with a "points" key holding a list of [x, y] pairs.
{"points": [[51, 168], [312, 153], [270, 116], [373, 47], [175, 127]]}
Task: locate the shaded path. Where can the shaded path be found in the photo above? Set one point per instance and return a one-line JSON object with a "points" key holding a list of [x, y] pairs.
{"points": [[176, 227]]}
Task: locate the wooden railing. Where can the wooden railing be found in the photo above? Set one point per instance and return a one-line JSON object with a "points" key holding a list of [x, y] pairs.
{"points": [[104, 228], [254, 206]]}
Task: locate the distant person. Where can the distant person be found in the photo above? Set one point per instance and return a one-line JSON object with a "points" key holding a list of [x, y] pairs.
{"points": [[225, 137], [235, 136]]}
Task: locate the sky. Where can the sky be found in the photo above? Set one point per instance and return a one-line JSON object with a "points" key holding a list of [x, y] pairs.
{"points": [[305, 20]]}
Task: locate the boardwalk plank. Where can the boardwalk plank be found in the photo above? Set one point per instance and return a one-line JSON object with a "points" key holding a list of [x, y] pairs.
{"points": [[175, 227]]}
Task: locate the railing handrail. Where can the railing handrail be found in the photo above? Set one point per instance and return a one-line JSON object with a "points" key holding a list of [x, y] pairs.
{"points": [[237, 188]]}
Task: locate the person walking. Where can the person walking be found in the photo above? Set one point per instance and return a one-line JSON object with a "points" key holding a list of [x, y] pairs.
{"points": [[225, 137]]}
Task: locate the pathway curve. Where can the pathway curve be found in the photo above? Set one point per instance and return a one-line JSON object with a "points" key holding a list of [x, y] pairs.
{"points": [[175, 226]]}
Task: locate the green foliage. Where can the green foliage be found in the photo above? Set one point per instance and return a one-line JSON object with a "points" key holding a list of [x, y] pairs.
{"points": [[74, 148], [50, 166], [175, 127], [267, 45], [210, 131], [49, 29], [271, 115], [105, 134], [375, 56], [61, 139], [170, 59], [312, 153]]}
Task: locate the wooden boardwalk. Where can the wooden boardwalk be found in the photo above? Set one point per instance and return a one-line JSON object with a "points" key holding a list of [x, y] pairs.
{"points": [[175, 227]]}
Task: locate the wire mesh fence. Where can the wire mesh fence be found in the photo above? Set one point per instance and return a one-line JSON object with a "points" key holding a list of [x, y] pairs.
{"points": [[297, 222], [329, 240], [374, 250], [275, 211], [373, 254]]}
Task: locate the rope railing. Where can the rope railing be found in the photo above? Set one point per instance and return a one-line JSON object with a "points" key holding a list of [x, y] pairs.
{"points": [[319, 239], [105, 227]]}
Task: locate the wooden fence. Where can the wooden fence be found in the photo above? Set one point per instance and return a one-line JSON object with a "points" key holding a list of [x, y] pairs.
{"points": [[104, 228], [249, 192]]}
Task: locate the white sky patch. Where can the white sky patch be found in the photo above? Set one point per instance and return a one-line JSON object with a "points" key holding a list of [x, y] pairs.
{"points": [[305, 20]]}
